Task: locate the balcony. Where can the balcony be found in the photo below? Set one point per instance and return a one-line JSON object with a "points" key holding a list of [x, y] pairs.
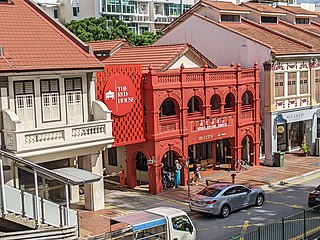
{"points": [[169, 123], [164, 19], [247, 112], [32, 142]]}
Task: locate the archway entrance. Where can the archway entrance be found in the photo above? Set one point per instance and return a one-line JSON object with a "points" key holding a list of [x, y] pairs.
{"points": [[247, 149], [141, 169], [223, 152], [168, 159]]}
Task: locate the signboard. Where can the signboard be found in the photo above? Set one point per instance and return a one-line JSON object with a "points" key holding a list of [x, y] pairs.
{"points": [[119, 94], [299, 115]]}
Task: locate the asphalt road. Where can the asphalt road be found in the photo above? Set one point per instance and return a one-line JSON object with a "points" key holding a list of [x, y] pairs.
{"points": [[281, 202]]}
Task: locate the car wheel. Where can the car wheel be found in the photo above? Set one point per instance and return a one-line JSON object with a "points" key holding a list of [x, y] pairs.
{"points": [[225, 211], [259, 200]]}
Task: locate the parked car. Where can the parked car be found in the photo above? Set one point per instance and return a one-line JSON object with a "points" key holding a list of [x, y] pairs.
{"points": [[223, 198], [314, 197]]}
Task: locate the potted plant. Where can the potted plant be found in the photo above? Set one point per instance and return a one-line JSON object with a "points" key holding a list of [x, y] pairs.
{"points": [[305, 149]]}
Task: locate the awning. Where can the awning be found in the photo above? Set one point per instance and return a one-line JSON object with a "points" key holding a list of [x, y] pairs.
{"points": [[77, 176], [141, 220]]}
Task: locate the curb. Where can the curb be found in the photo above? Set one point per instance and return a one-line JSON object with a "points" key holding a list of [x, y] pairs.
{"points": [[288, 180]]}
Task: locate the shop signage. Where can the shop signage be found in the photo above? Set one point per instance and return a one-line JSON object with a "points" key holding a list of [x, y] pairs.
{"points": [[205, 137], [119, 94], [207, 124], [297, 116], [280, 129]]}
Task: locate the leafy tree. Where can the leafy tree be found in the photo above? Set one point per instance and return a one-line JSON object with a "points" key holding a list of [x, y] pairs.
{"points": [[95, 29]]}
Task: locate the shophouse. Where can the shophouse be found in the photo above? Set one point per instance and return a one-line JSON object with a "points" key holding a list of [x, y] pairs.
{"points": [[185, 108], [285, 43], [49, 114]]}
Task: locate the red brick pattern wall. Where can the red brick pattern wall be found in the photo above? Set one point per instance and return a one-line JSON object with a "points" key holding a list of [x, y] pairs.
{"points": [[127, 129]]}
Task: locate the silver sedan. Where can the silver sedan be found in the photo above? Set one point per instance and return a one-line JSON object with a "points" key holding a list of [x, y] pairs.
{"points": [[223, 198]]}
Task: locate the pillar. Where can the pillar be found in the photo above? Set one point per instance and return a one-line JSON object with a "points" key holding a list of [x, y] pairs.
{"points": [[154, 176], [131, 173], [94, 192], [74, 190]]}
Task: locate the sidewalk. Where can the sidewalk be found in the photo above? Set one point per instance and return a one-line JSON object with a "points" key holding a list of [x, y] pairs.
{"points": [[95, 223], [295, 167]]}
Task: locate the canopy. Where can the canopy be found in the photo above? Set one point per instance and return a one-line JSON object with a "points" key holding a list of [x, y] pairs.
{"points": [[77, 176]]}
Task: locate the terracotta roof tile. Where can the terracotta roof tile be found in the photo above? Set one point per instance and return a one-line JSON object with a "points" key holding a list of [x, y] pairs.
{"points": [[159, 57], [108, 45], [312, 27], [296, 10], [225, 6], [32, 41], [264, 8], [279, 44]]}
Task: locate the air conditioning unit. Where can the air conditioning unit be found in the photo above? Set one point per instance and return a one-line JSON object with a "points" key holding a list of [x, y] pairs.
{"points": [[317, 146]]}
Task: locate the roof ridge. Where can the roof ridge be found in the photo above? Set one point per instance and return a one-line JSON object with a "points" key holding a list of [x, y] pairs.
{"points": [[301, 29], [185, 14], [278, 33], [108, 40]]}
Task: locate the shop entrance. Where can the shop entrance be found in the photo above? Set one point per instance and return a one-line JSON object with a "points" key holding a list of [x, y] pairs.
{"points": [[141, 169], [223, 151], [168, 159], [296, 134]]}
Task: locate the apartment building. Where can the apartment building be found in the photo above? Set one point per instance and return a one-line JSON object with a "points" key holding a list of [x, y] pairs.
{"points": [[140, 16], [285, 43]]}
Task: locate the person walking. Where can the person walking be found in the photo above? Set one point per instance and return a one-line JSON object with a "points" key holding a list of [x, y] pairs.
{"points": [[177, 169], [197, 175]]}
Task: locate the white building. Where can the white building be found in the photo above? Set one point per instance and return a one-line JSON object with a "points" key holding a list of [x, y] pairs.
{"points": [[49, 114]]}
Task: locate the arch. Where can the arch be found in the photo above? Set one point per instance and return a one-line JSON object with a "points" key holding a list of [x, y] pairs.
{"points": [[168, 107], [229, 102], [132, 152], [195, 104], [247, 98], [169, 158], [247, 148], [162, 96], [215, 102], [141, 162]]}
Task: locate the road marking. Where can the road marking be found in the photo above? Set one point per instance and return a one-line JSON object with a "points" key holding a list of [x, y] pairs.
{"points": [[245, 226], [311, 231], [286, 204]]}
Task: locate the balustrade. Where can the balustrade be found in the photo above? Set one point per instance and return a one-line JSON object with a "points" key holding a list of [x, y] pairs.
{"points": [[169, 123], [292, 103]]}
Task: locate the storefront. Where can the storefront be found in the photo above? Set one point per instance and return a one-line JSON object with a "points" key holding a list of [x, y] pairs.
{"points": [[293, 128]]}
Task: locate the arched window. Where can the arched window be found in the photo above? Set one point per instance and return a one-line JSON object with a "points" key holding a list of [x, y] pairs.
{"points": [[141, 162], [247, 98], [215, 102], [229, 101], [167, 108], [193, 105]]}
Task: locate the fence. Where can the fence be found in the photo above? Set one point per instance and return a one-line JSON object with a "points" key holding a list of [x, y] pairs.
{"points": [[302, 225]]}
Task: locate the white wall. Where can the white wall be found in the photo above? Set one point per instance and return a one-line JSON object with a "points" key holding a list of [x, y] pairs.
{"points": [[218, 44]]}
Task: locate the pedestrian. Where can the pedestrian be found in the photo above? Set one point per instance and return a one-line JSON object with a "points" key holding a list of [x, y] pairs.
{"points": [[164, 179], [169, 178], [177, 169], [197, 175]]}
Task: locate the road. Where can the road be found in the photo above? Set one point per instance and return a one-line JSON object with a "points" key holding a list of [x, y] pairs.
{"points": [[282, 201]]}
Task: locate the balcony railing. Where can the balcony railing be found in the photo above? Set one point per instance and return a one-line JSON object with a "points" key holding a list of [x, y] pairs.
{"points": [[247, 111], [36, 139], [169, 123], [292, 103]]}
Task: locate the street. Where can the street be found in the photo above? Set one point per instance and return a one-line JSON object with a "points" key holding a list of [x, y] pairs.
{"points": [[282, 201]]}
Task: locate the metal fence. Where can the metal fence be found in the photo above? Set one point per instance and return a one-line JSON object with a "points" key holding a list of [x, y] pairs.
{"points": [[303, 225]]}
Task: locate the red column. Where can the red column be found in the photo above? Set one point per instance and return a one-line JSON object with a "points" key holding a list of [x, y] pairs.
{"points": [[131, 173], [154, 176]]}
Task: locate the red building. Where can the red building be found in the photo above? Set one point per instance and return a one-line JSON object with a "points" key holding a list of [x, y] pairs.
{"points": [[197, 112]]}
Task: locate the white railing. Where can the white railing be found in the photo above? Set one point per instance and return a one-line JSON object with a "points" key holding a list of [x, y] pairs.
{"points": [[25, 204], [23, 140]]}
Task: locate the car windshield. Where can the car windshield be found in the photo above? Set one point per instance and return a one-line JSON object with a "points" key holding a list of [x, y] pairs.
{"points": [[209, 192], [318, 188]]}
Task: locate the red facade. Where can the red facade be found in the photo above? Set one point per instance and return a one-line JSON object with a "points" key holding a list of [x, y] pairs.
{"points": [[194, 113]]}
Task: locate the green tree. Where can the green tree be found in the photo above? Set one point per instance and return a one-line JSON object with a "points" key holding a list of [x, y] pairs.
{"points": [[95, 29]]}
